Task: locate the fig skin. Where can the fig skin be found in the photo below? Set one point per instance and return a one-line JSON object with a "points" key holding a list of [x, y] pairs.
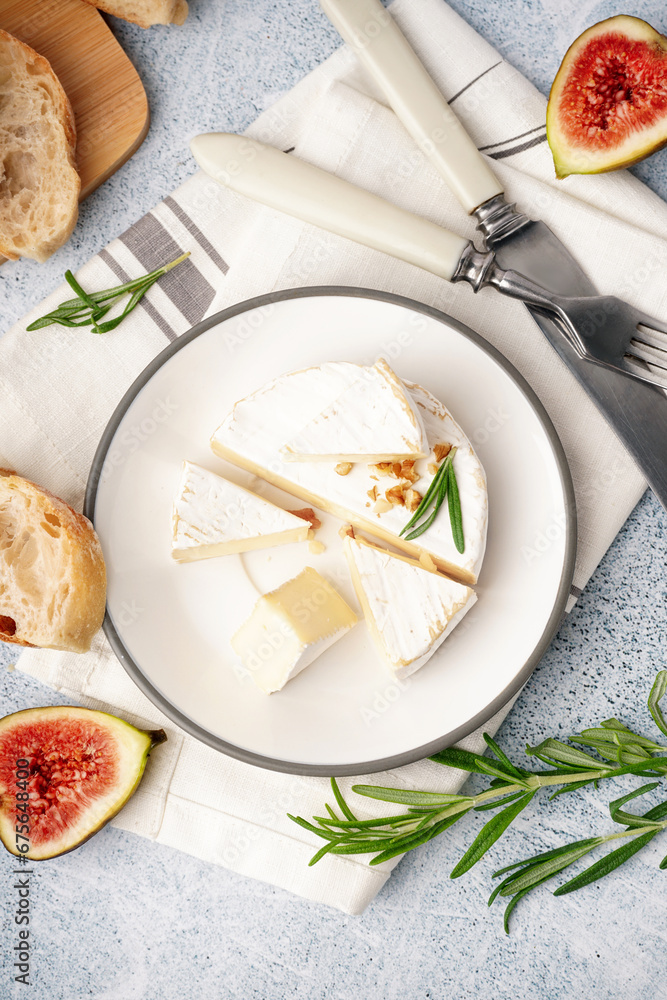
{"points": [[586, 156], [122, 749]]}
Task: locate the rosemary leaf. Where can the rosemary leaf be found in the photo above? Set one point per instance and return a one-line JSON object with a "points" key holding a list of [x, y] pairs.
{"points": [[489, 834], [512, 903], [342, 804], [455, 516], [75, 286], [325, 849], [553, 750], [630, 819], [408, 797], [440, 499], [464, 760], [502, 757], [657, 694]]}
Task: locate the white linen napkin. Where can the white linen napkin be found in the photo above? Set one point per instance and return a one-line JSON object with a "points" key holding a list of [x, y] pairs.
{"points": [[59, 387]]}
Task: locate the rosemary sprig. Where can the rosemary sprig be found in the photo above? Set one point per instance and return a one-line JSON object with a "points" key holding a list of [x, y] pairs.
{"points": [[88, 308], [443, 485], [619, 751]]}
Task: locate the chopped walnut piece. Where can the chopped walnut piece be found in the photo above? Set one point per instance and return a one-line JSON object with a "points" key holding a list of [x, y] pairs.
{"points": [[432, 468], [343, 468], [373, 493], [316, 548], [441, 451], [408, 470], [396, 496], [396, 469], [308, 514], [412, 500], [384, 468], [382, 506], [426, 561]]}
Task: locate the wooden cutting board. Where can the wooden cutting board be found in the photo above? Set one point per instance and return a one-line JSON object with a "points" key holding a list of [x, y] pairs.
{"points": [[104, 89]]}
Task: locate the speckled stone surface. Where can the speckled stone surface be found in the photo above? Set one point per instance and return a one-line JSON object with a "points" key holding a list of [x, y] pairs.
{"points": [[122, 919]]}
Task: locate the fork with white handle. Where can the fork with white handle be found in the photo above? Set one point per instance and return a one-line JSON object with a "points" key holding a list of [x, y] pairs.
{"points": [[603, 329]]}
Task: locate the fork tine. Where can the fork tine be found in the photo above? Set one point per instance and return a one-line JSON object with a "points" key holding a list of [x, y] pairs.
{"points": [[654, 356], [651, 323], [647, 373], [655, 339]]}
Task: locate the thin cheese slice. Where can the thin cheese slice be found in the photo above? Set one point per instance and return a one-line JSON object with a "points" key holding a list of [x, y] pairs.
{"points": [[291, 627], [409, 610], [213, 517], [374, 419]]}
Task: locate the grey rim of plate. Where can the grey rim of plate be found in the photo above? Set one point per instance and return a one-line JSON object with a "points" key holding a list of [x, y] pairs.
{"points": [[419, 753]]}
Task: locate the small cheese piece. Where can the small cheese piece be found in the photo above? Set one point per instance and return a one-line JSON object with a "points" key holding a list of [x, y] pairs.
{"points": [[213, 517], [409, 610], [291, 627], [373, 419]]}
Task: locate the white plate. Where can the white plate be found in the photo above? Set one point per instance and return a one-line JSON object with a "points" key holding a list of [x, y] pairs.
{"points": [[170, 624]]}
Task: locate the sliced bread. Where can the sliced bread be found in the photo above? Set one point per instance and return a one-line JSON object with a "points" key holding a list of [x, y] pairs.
{"points": [[52, 572], [39, 185], [145, 12]]}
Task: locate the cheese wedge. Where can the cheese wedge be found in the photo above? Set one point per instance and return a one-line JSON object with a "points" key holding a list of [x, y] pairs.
{"points": [[213, 517], [409, 610], [261, 425], [291, 627], [374, 419]]}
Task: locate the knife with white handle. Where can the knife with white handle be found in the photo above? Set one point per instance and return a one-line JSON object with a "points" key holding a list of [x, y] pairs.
{"points": [[637, 413], [307, 192]]}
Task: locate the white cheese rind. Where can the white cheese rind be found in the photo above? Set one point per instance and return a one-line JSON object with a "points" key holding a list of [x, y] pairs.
{"points": [[289, 628], [258, 427], [374, 419], [410, 610], [213, 517]]}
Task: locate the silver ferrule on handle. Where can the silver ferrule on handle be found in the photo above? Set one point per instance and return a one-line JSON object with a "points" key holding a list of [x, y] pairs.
{"points": [[497, 219]]}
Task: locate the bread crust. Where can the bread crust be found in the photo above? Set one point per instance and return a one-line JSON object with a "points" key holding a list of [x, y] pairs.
{"points": [[21, 56], [58, 600], [157, 11]]}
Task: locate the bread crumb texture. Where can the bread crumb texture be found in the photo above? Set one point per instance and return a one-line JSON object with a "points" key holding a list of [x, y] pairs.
{"points": [[52, 573], [145, 12], [39, 184]]}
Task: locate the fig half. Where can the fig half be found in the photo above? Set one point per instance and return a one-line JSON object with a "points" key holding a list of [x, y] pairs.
{"points": [[608, 104], [64, 773]]}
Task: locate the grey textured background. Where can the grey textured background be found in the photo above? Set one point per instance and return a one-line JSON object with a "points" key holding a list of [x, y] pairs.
{"points": [[121, 919]]}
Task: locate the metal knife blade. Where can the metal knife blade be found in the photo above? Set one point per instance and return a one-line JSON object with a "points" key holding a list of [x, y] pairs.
{"points": [[637, 413]]}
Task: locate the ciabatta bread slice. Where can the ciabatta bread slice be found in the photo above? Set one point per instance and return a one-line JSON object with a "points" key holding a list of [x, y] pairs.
{"points": [[52, 573], [39, 185], [145, 12]]}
